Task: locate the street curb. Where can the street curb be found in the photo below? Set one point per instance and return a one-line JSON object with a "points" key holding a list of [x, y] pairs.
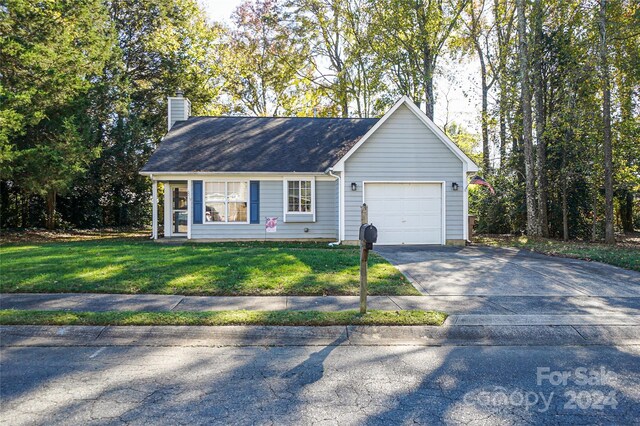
{"points": [[464, 335]]}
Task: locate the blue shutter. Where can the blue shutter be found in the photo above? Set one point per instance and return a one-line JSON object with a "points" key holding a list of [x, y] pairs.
{"points": [[254, 198], [197, 201]]}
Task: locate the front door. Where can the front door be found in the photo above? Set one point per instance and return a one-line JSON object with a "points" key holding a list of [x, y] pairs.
{"points": [[179, 197]]}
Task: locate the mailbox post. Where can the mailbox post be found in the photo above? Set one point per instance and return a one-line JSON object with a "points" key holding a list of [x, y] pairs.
{"points": [[368, 235]]}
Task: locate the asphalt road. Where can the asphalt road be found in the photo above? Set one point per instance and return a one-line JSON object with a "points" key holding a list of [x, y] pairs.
{"points": [[326, 385]]}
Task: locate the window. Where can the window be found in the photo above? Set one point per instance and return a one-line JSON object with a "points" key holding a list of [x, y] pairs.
{"points": [[299, 196], [225, 202]]}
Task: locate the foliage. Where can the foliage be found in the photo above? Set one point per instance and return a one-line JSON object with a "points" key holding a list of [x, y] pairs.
{"points": [[264, 71], [51, 53], [568, 125], [83, 88], [200, 269]]}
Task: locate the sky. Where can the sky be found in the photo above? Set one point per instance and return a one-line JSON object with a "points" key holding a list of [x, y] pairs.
{"points": [[460, 97]]}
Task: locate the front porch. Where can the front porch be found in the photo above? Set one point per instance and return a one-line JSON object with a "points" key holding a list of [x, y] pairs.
{"points": [[175, 212]]}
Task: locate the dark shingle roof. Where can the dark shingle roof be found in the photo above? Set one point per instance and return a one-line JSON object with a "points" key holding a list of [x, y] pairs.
{"points": [[256, 144]]}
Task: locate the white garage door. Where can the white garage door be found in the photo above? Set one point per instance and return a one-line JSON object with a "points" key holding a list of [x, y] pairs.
{"points": [[405, 213]]}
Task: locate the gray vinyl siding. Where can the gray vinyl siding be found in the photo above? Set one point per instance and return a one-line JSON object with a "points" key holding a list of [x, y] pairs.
{"points": [[176, 108], [404, 149], [179, 109], [271, 205]]}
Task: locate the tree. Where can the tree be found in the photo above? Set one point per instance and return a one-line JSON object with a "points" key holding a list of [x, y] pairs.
{"points": [[482, 37], [51, 52], [539, 87], [609, 237], [261, 63], [338, 35], [523, 54], [503, 16], [410, 36]]}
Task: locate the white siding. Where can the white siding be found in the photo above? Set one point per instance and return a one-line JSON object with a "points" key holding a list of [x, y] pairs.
{"points": [[404, 149], [271, 205]]}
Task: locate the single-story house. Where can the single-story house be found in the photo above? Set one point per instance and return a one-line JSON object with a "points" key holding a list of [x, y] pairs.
{"points": [[291, 178]]}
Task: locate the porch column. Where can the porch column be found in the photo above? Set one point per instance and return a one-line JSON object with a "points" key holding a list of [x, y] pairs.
{"points": [[189, 208], [154, 212]]}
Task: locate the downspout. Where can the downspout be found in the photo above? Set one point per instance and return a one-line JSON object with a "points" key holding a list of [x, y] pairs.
{"points": [[329, 172]]}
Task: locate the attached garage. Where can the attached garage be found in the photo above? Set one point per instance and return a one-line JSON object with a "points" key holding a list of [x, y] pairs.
{"points": [[406, 212], [412, 177]]}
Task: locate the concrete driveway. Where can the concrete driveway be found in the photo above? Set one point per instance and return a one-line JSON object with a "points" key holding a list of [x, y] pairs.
{"points": [[474, 280]]}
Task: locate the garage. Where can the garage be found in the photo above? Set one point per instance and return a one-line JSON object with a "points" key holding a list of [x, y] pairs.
{"points": [[406, 212]]}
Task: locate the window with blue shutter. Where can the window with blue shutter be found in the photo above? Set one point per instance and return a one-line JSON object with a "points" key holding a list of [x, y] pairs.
{"points": [[254, 199], [197, 201]]}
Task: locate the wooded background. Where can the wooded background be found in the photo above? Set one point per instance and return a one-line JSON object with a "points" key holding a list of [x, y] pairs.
{"points": [[83, 87]]}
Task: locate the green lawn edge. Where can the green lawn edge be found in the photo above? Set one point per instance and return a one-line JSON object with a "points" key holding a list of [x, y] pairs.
{"points": [[623, 256], [222, 318]]}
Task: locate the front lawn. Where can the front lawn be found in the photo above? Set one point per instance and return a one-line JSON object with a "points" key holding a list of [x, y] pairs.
{"points": [[625, 254], [137, 266], [282, 318]]}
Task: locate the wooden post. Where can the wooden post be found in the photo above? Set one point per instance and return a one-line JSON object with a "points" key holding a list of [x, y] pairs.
{"points": [[364, 256]]}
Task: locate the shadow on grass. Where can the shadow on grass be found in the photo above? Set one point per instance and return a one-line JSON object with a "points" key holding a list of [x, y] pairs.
{"points": [[201, 269]]}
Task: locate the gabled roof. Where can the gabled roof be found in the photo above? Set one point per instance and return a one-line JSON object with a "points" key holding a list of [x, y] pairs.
{"points": [[256, 144], [405, 100]]}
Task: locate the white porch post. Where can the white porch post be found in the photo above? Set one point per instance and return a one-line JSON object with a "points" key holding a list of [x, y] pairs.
{"points": [[189, 209], [168, 222], [154, 202]]}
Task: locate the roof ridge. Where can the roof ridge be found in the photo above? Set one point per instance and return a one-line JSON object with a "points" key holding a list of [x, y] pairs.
{"points": [[312, 118]]}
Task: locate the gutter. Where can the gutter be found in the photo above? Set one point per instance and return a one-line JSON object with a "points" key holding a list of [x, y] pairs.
{"points": [[329, 172]]}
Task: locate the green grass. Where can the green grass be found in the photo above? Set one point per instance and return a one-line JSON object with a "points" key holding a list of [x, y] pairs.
{"points": [[623, 255], [280, 318], [136, 266]]}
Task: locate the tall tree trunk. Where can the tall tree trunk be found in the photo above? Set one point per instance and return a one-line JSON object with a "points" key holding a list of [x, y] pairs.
{"points": [[51, 209], [503, 128], [486, 160], [24, 208], [594, 213], [565, 187], [428, 83], [541, 149], [502, 82], [532, 222], [609, 236], [626, 211], [565, 213]]}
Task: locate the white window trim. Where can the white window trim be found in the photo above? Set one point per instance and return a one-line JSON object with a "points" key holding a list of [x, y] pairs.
{"points": [[226, 181], [443, 235], [285, 197]]}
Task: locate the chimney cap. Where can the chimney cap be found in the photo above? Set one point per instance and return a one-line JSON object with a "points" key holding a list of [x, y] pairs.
{"points": [[179, 93]]}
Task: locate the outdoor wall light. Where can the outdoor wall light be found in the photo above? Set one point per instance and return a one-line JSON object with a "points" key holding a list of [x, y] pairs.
{"points": [[354, 186], [454, 186]]}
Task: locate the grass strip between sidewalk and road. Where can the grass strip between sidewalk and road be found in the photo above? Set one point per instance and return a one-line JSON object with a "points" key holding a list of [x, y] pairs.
{"points": [[214, 318]]}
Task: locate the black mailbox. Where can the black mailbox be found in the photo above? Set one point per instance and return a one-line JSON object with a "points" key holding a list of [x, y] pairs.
{"points": [[368, 235]]}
